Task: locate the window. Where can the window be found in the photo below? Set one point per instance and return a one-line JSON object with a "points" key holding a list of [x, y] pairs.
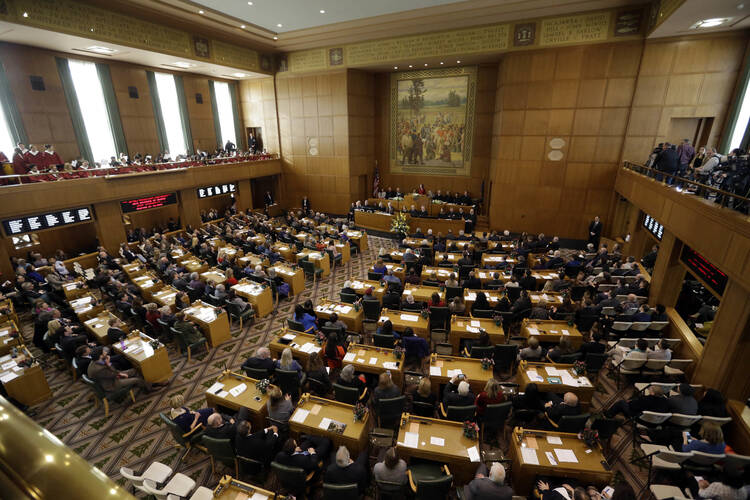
{"points": [[90, 96], [7, 144], [225, 110], [25, 241], [170, 111], [740, 126]]}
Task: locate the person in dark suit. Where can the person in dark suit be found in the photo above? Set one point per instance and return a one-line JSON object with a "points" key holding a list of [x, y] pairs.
{"points": [[595, 231], [668, 161], [261, 361], [568, 406], [101, 371], [528, 282], [652, 400], [458, 392], [309, 456], [115, 332], [472, 282], [488, 486], [221, 427], [344, 470], [256, 445], [268, 198], [305, 205], [187, 330]]}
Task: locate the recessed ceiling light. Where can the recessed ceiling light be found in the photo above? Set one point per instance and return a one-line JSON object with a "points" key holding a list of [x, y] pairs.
{"points": [[239, 75], [410, 66], [101, 50], [275, 38], [201, 12], [425, 65], [183, 64], [243, 26], [279, 25], [25, 14], [395, 67], [91, 29], [441, 62], [322, 11], [249, 3], [710, 23], [458, 62], [741, 6]]}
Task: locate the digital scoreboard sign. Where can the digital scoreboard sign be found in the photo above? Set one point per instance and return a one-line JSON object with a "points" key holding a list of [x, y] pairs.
{"points": [[697, 264], [653, 227], [140, 204], [209, 191], [48, 220]]}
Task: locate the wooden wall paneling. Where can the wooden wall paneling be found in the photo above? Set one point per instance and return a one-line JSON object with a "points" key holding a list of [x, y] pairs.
{"points": [[201, 115], [218, 203], [109, 225], [188, 210], [149, 219], [137, 115], [70, 239]]}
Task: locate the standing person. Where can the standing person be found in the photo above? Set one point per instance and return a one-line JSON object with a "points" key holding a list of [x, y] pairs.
{"points": [[686, 153], [595, 231]]}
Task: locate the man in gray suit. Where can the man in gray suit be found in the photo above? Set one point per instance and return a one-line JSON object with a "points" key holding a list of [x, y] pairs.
{"points": [[488, 486], [102, 372]]}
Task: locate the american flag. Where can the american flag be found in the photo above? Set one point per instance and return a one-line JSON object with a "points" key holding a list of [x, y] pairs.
{"points": [[376, 182]]}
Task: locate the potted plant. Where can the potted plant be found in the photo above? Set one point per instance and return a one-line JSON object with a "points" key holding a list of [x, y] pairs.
{"points": [[425, 313], [357, 306], [579, 367], [487, 363], [589, 436], [320, 338], [262, 385], [471, 429], [360, 410], [398, 352]]}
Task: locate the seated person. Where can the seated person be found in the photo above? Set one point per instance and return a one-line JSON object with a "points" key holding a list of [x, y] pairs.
{"points": [[562, 348], [457, 392], [185, 417], [279, 405], [408, 302], [451, 281], [334, 351], [652, 400], [435, 301], [309, 456], [316, 371], [531, 399], [344, 470], [423, 393], [348, 288], [309, 322], [683, 402], [379, 267], [386, 329], [595, 345], [533, 352], [114, 332], [490, 486], [711, 440], [102, 372], [392, 296], [660, 351], [392, 279], [219, 426], [287, 363], [386, 389], [257, 445], [619, 353], [335, 322], [392, 469], [349, 378], [187, 330], [261, 361], [492, 394], [414, 347], [712, 404], [369, 296], [643, 314], [568, 406]]}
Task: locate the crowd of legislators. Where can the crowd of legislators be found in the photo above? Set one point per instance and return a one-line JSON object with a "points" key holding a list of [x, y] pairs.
{"points": [[593, 310], [728, 172], [33, 165]]}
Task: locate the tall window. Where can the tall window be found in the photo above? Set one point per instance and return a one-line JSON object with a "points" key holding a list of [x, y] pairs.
{"points": [[7, 144], [90, 96], [170, 110], [225, 110], [740, 126]]}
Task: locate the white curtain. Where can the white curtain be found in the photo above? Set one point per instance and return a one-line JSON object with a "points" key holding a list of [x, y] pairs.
{"points": [[170, 110], [93, 110]]}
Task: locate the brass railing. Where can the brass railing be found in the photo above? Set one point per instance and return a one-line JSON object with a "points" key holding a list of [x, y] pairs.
{"points": [[719, 196]]}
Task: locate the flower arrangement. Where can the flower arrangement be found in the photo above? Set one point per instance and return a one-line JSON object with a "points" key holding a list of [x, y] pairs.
{"points": [[398, 352], [399, 224], [357, 306], [487, 363], [320, 338], [498, 320], [154, 344], [589, 436], [471, 429], [262, 385], [360, 410], [425, 313], [579, 367]]}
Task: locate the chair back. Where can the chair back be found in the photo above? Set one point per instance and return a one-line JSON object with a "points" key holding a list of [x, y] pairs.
{"points": [[385, 341], [98, 391], [717, 420], [640, 326], [482, 351], [655, 365], [658, 326], [482, 313], [434, 488], [621, 326], [220, 449], [340, 491], [680, 364], [607, 427], [513, 293], [349, 298], [293, 479], [573, 423], [453, 291], [295, 325], [389, 411], [496, 414], [705, 459], [505, 356], [680, 420], [632, 364], [374, 276], [288, 381], [174, 429], [256, 373], [460, 413], [388, 490], [344, 394], [317, 387], [438, 317], [371, 309], [736, 463], [595, 361], [673, 457], [570, 358], [423, 409], [654, 418], [250, 466]]}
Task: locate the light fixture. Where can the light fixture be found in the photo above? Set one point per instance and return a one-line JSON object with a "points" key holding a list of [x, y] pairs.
{"points": [[395, 67], [275, 38], [441, 62], [239, 75], [101, 50], [740, 6], [25, 14], [183, 64], [243, 26], [201, 12], [458, 62], [710, 23], [322, 11], [249, 3], [425, 65], [279, 25], [410, 66], [91, 30]]}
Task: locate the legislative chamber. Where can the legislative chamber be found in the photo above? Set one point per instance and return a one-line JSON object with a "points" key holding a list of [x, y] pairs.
{"points": [[449, 249]]}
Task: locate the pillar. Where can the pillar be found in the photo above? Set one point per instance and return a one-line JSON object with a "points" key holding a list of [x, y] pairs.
{"points": [[190, 214], [8, 273], [244, 195], [109, 226], [668, 274]]}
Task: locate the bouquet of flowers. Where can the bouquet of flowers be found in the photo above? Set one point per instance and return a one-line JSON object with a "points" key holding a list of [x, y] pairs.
{"points": [[357, 306], [399, 224], [320, 338], [262, 385], [487, 363], [579, 367], [425, 313], [154, 344], [359, 411], [471, 429], [589, 436], [398, 352]]}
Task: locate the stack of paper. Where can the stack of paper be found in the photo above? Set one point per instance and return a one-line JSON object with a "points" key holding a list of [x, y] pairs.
{"points": [[411, 439], [473, 454], [289, 336], [472, 329], [534, 376], [410, 317], [475, 323], [216, 387], [565, 332], [300, 415], [529, 456], [389, 365], [532, 330], [551, 371], [435, 371], [452, 373], [565, 455], [349, 356], [236, 391]]}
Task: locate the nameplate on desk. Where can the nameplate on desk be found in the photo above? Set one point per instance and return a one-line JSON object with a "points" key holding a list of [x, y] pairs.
{"points": [[532, 330]]}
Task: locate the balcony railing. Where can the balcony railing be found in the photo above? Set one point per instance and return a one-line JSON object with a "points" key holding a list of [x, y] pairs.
{"points": [[733, 200], [61, 175]]}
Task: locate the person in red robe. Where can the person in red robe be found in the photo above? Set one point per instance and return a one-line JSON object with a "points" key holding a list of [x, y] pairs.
{"points": [[20, 167], [51, 157], [34, 157]]}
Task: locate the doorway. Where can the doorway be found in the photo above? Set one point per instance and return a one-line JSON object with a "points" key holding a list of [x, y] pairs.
{"points": [[257, 134], [698, 130]]}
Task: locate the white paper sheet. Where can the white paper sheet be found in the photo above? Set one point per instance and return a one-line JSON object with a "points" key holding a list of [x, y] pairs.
{"points": [[435, 371], [390, 365], [453, 373], [215, 387], [410, 317], [566, 455], [550, 457], [8, 365], [223, 394], [554, 440], [473, 453], [475, 323], [565, 332], [437, 441], [324, 423], [383, 318], [258, 496], [532, 330], [534, 376], [349, 356], [343, 309], [289, 336], [529, 456], [8, 377], [300, 415], [360, 360], [236, 391], [551, 371], [373, 361], [411, 439]]}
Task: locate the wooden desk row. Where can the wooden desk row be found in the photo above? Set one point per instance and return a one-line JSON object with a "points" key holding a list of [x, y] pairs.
{"points": [[382, 222]]}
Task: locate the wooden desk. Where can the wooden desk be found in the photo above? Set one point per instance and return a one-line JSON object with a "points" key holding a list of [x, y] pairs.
{"points": [[213, 321], [403, 319], [493, 296], [587, 470], [550, 298], [214, 275], [438, 226], [569, 381], [194, 265], [233, 489], [230, 251], [165, 296], [261, 298], [471, 368], [453, 258], [252, 260], [398, 270], [303, 345], [86, 306], [74, 289], [505, 245], [345, 251], [461, 245], [551, 330], [134, 269], [27, 385], [489, 259], [360, 286], [98, 326], [358, 237], [442, 273], [462, 328], [152, 363], [346, 313], [148, 284], [378, 221], [354, 436], [422, 293], [376, 360], [9, 337], [285, 250], [739, 427], [295, 278], [251, 398], [454, 450], [10, 315], [417, 242], [320, 259]]}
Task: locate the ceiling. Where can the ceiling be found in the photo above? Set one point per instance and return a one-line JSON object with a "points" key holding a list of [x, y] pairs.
{"points": [[75, 45], [281, 16], [692, 11]]}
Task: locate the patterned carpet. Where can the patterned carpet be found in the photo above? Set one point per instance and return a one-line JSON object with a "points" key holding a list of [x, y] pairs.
{"points": [[133, 435]]}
